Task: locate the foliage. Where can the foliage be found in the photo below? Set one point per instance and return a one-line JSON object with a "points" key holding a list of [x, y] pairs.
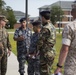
{"points": [[10, 16], [56, 14], [8, 12], [2, 7]]}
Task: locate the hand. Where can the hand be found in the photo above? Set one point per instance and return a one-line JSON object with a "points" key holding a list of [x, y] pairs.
{"points": [[21, 38], [57, 70], [9, 53]]}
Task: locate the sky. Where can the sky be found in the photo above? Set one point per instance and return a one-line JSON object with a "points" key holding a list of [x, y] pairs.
{"points": [[33, 5]]}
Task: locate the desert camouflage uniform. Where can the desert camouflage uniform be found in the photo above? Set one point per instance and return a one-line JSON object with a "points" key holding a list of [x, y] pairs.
{"points": [[4, 38], [69, 38], [22, 47], [45, 45], [33, 63]]}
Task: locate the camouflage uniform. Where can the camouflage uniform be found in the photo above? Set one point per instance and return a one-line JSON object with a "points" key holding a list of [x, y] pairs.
{"points": [[1, 45], [33, 63], [69, 38], [6, 44], [45, 46], [22, 46]]}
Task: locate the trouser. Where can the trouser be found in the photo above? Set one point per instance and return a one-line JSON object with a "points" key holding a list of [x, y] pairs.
{"points": [[45, 69], [21, 57], [21, 60], [70, 65], [33, 66], [3, 64], [46, 61]]}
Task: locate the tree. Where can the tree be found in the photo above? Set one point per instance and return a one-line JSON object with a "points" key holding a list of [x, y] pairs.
{"points": [[8, 12], [56, 14], [2, 7], [10, 16]]}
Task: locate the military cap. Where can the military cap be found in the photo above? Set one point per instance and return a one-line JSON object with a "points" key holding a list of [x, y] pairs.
{"points": [[3, 18], [44, 12], [22, 19], [36, 23]]}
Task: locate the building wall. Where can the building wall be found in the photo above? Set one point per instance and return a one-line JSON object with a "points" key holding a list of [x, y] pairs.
{"points": [[17, 25], [66, 19]]}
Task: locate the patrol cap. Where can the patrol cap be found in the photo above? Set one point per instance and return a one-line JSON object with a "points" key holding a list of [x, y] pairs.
{"points": [[36, 23], [22, 19], [3, 18], [44, 12]]}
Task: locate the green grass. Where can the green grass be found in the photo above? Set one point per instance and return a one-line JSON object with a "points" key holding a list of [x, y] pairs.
{"points": [[57, 46], [10, 30], [13, 43], [59, 30]]}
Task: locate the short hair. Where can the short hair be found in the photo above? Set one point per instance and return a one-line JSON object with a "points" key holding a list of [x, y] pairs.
{"points": [[36, 23], [22, 19], [45, 14]]}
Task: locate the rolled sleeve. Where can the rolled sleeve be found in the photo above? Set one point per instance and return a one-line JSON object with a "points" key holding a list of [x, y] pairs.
{"points": [[66, 41], [66, 36]]}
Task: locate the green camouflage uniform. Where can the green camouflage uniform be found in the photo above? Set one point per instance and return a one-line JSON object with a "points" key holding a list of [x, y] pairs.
{"points": [[45, 45], [4, 39], [1, 45]]}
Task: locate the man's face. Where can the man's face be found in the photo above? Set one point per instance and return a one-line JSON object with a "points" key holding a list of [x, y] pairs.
{"points": [[24, 24], [36, 28], [3, 23]]}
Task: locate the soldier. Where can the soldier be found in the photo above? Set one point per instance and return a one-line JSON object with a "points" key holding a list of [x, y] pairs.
{"points": [[22, 35], [68, 49], [46, 43], [5, 44], [33, 59]]}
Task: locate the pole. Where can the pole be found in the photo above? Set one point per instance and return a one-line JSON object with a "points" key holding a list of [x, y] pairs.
{"points": [[60, 16], [26, 14]]}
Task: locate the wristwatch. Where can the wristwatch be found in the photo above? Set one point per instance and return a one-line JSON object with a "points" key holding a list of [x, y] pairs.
{"points": [[59, 65]]}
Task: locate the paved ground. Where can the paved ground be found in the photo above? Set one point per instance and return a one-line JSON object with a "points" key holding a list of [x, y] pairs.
{"points": [[12, 68]]}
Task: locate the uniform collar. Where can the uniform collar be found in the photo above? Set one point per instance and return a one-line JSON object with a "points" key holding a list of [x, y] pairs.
{"points": [[45, 23]]}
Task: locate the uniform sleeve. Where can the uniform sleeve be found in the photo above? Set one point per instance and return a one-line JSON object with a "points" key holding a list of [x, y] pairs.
{"points": [[66, 35], [8, 43], [16, 34]]}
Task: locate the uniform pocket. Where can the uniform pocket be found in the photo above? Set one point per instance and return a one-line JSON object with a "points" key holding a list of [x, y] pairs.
{"points": [[49, 56]]}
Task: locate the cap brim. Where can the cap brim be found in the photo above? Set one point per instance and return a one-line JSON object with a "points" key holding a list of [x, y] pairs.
{"points": [[5, 20]]}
